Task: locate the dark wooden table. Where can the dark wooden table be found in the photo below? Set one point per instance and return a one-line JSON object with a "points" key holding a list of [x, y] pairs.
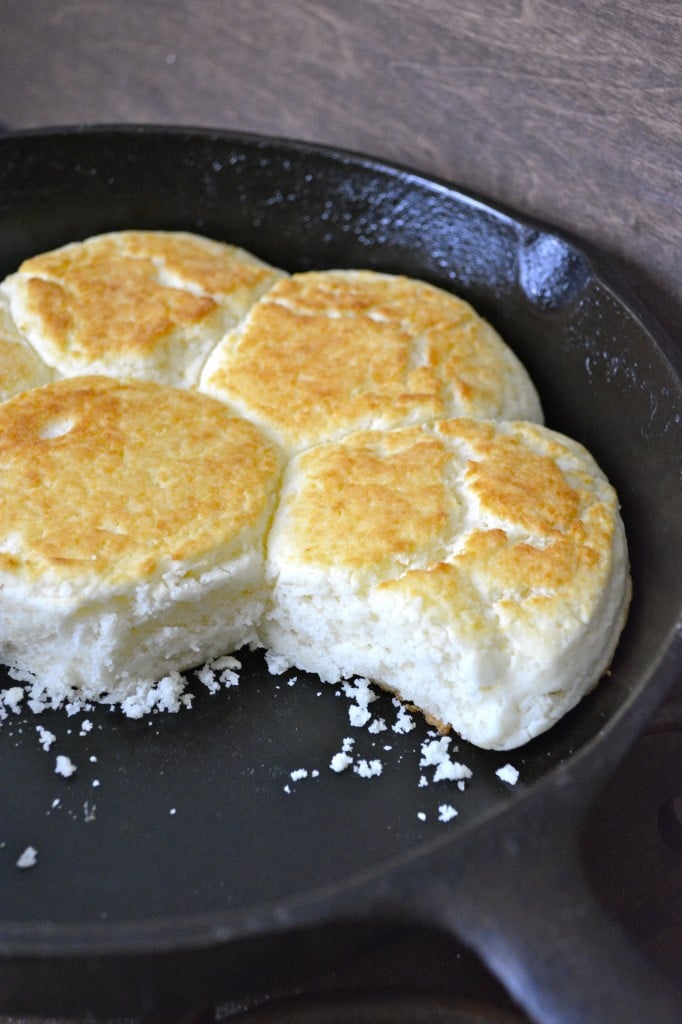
{"points": [[571, 112]]}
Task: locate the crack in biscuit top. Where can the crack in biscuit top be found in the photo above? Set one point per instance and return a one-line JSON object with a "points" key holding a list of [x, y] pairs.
{"points": [[499, 510], [341, 351], [20, 367], [128, 292]]}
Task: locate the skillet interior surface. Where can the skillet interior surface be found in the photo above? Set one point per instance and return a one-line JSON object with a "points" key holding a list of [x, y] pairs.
{"points": [[195, 816]]}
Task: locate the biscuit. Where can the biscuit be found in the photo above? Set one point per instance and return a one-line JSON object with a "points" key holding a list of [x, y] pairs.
{"points": [[132, 519], [424, 537], [479, 570], [144, 304], [20, 367], [324, 353]]}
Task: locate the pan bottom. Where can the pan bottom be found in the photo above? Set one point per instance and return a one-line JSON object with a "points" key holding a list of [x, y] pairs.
{"points": [[376, 1008]]}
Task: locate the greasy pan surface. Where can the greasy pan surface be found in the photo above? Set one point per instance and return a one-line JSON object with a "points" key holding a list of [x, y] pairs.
{"points": [[178, 828]]}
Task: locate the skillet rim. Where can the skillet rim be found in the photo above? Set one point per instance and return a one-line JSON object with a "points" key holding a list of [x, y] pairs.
{"points": [[616, 734]]}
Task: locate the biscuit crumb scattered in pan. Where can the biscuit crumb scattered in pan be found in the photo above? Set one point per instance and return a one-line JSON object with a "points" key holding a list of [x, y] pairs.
{"points": [[28, 859]]}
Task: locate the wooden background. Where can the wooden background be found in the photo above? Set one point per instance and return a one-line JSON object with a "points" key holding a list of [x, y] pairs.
{"points": [[569, 111]]}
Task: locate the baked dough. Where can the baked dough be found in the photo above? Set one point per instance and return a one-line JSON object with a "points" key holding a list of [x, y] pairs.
{"points": [[431, 534], [145, 304], [132, 522], [20, 367], [324, 353], [477, 569]]}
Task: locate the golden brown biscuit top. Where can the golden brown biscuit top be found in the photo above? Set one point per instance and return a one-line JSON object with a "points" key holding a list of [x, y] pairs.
{"points": [[481, 511], [114, 480], [516, 476], [126, 291], [326, 352], [372, 498]]}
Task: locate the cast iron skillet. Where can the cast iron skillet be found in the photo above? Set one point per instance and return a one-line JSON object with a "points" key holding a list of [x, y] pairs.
{"points": [[190, 868]]}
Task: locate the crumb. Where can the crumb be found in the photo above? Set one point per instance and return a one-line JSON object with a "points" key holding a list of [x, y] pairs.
{"points": [[453, 771], [421, 815], [277, 663], [508, 773], [368, 769], [12, 698], [64, 766], [229, 678], [340, 762], [358, 716], [28, 858], [45, 737], [433, 752], [226, 661], [446, 812], [404, 723], [86, 727], [223, 671], [166, 695], [361, 692], [298, 774], [376, 726], [207, 678]]}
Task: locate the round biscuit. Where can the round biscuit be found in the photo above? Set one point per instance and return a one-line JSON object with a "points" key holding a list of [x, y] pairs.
{"points": [[477, 569], [132, 523]]}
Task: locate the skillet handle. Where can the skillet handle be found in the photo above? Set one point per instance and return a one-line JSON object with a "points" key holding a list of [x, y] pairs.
{"points": [[520, 900]]}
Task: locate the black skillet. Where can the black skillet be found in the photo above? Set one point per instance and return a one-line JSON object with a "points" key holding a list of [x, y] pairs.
{"points": [[197, 866]]}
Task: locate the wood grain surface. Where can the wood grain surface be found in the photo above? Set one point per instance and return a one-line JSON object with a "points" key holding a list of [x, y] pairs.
{"points": [[571, 112]]}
